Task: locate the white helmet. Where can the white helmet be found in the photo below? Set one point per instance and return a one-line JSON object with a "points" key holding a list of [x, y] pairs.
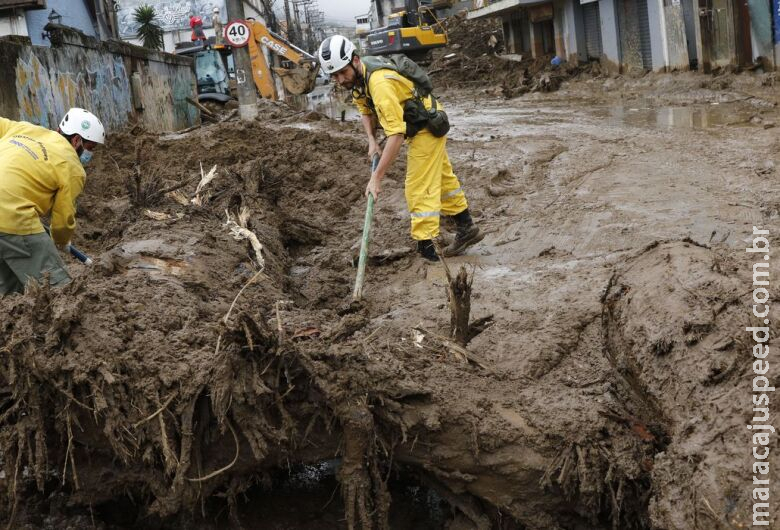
{"points": [[216, 10], [85, 124], [335, 53]]}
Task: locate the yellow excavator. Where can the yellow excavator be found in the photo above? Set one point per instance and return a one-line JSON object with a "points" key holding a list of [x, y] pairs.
{"points": [[298, 71]]}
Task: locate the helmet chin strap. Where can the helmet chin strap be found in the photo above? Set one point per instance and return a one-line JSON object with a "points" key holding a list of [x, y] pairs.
{"points": [[360, 86], [80, 148]]}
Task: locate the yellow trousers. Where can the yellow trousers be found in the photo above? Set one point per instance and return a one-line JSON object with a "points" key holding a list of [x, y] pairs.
{"points": [[431, 187]]}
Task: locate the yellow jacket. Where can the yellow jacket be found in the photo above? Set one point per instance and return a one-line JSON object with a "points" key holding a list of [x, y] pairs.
{"points": [[389, 90], [39, 172]]}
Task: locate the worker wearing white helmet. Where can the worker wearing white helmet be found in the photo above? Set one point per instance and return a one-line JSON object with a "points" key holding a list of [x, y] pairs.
{"points": [[381, 92], [42, 174], [216, 23]]}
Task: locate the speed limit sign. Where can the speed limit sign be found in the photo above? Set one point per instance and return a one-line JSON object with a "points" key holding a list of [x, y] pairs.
{"points": [[237, 33]]}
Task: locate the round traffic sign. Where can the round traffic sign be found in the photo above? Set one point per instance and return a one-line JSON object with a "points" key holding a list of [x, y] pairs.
{"points": [[237, 33]]}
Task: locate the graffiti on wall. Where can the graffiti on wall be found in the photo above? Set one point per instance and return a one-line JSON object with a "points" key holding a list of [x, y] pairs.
{"points": [[166, 94], [44, 94], [33, 92], [171, 14]]}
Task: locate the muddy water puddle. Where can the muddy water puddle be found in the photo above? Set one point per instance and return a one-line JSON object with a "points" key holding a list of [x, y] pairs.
{"points": [[498, 120], [691, 117], [308, 497]]}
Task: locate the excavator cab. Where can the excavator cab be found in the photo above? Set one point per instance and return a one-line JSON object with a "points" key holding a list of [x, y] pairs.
{"points": [[414, 32], [210, 70]]}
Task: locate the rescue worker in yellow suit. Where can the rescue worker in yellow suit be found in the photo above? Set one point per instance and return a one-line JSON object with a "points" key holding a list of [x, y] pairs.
{"points": [[41, 172], [431, 187]]}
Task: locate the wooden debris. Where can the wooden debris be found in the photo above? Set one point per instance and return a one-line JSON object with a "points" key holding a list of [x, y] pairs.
{"points": [[179, 197], [238, 229], [382, 257], [459, 292], [157, 216], [455, 349], [205, 178], [202, 109]]}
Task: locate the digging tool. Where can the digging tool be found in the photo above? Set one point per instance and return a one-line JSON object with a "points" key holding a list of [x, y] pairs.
{"points": [[357, 294], [76, 253]]}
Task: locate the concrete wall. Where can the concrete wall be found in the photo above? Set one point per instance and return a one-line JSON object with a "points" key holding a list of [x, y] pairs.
{"points": [[573, 31], [630, 37], [40, 83], [12, 22], [676, 54], [610, 35], [559, 25], [761, 30]]}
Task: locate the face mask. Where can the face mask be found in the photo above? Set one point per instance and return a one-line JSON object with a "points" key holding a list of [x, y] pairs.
{"points": [[85, 157]]}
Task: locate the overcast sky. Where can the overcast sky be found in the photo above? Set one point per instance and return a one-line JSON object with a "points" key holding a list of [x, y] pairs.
{"points": [[344, 11]]}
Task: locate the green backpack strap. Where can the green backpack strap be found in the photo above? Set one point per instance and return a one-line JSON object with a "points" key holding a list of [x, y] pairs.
{"points": [[402, 65]]}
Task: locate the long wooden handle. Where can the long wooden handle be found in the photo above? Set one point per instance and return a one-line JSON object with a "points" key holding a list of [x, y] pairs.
{"points": [[357, 294]]}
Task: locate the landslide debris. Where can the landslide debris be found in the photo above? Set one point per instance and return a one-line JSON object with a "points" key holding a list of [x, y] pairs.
{"points": [[477, 58], [182, 370]]}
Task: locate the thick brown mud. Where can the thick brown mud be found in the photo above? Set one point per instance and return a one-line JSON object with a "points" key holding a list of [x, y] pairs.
{"points": [[183, 381]]}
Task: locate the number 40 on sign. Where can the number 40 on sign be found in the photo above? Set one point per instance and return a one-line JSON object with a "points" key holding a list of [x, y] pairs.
{"points": [[237, 34]]}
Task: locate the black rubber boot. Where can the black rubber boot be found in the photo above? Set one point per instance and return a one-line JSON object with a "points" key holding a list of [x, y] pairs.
{"points": [[467, 234], [426, 250]]}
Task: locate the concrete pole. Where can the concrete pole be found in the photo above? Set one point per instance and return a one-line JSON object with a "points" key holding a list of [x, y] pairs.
{"points": [[290, 28], [247, 93]]}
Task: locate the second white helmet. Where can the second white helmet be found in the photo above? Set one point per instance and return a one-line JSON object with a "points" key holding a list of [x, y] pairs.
{"points": [[84, 123], [335, 53]]}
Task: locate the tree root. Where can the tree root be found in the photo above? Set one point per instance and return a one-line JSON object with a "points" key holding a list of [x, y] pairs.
{"points": [[366, 499]]}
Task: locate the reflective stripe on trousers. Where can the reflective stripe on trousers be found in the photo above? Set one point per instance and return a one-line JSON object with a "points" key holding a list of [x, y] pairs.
{"points": [[431, 187]]}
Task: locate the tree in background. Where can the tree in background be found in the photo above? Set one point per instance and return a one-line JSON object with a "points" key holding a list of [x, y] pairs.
{"points": [[150, 33]]}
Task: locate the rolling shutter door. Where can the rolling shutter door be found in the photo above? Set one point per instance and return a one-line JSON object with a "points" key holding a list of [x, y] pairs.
{"points": [[644, 34], [592, 19]]}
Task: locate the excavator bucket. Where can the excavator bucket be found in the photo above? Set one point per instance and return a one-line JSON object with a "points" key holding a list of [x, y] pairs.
{"points": [[298, 80]]}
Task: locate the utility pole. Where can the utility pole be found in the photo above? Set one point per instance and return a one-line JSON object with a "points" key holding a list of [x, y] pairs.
{"points": [[290, 29], [247, 94], [297, 22]]}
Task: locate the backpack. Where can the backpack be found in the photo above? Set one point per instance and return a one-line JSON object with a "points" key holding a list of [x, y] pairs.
{"points": [[416, 115], [400, 63]]}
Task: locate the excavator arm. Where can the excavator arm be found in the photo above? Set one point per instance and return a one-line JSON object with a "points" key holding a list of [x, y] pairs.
{"points": [[300, 79]]}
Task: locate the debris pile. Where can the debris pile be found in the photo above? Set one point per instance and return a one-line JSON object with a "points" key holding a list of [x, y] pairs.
{"points": [[477, 58], [205, 351]]}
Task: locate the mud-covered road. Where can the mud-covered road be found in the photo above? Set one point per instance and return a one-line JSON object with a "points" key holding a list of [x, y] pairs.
{"points": [[612, 388]]}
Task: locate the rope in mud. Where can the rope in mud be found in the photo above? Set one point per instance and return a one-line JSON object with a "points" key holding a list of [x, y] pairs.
{"points": [[221, 470], [165, 405], [230, 309]]}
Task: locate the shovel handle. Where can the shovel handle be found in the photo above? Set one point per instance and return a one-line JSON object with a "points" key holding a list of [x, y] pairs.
{"points": [[79, 255], [357, 294], [73, 251]]}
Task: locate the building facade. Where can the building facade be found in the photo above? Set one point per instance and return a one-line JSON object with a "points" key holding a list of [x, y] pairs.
{"points": [[380, 10], [28, 18], [174, 18], [635, 36]]}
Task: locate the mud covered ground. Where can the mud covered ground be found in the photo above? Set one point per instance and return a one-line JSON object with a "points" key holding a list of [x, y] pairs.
{"points": [[183, 381]]}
